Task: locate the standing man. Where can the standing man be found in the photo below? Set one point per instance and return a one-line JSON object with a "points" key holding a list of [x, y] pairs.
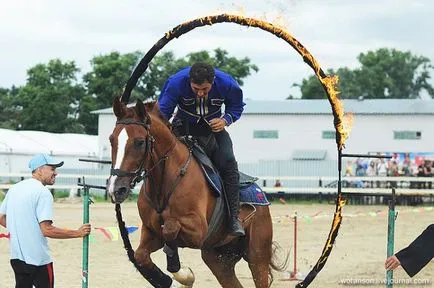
{"points": [[199, 92], [26, 212]]}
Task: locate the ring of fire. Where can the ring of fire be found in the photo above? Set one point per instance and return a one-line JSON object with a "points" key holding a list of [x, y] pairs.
{"points": [[328, 83]]}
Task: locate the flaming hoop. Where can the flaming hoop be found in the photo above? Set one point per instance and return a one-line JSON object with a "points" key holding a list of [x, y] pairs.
{"points": [[328, 82]]}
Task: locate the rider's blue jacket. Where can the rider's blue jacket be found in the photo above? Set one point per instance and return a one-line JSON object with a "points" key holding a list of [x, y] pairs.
{"points": [[225, 90]]}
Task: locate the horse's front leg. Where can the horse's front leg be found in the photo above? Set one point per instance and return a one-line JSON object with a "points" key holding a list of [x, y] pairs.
{"points": [[183, 275], [146, 267]]}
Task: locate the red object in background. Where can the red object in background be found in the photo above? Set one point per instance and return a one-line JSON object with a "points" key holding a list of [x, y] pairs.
{"points": [[5, 235], [418, 160]]}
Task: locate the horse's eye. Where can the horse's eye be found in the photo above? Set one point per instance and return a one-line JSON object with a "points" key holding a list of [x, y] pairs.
{"points": [[140, 143]]}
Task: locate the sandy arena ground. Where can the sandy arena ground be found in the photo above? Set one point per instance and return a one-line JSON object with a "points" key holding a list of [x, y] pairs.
{"points": [[358, 255]]}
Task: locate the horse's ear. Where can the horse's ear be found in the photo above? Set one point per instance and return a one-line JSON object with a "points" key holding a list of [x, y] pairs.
{"points": [[118, 107], [150, 106], [141, 111]]}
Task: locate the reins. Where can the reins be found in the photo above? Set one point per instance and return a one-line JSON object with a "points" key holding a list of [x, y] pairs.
{"points": [[155, 204], [127, 244]]}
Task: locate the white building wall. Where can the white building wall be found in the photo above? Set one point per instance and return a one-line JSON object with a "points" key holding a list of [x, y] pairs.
{"points": [[18, 162], [375, 133], [370, 133], [106, 123], [296, 132]]}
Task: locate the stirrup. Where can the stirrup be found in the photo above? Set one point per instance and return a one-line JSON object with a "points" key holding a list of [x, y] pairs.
{"points": [[237, 229]]}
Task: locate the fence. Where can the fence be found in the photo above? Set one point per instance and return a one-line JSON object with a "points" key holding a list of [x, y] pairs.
{"points": [[359, 190]]}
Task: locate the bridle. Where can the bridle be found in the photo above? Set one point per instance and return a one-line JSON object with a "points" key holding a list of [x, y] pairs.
{"points": [[141, 173]]}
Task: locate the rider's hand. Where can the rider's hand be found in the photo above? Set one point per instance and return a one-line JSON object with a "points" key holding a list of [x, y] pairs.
{"points": [[84, 229], [217, 124]]}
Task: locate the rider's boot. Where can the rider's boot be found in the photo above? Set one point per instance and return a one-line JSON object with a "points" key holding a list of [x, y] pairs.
{"points": [[231, 179]]}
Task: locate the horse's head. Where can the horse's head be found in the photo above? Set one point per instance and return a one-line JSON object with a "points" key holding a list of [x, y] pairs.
{"points": [[131, 142]]}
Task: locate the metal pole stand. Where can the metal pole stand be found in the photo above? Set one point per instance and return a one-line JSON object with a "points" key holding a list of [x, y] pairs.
{"points": [[391, 236], [85, 265], [293, 274]]}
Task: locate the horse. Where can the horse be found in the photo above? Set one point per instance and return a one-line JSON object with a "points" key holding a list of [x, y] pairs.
{"points": [[176, 204]]}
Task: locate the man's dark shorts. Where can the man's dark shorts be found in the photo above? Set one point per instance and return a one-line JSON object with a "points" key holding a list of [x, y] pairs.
{"points": [[27, 275]]}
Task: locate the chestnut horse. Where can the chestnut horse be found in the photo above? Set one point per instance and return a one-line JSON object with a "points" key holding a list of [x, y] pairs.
{"points": [[176, 204]]}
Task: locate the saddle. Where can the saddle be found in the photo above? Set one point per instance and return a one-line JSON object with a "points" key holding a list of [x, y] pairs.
{"points": [[250, 193], [211, 172]]}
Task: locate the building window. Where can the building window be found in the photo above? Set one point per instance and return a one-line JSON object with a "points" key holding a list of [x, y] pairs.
{"points": [[407, 135], [329, 134], [273, 134]]}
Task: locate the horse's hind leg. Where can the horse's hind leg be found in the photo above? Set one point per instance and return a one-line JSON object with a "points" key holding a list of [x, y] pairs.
{"points": [[259, 251], [222, 262]]}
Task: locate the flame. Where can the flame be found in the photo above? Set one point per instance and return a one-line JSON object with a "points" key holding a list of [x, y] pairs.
{"points": [[240, 10], [347, 125], [281, 22], [342, 122], [337, 219]]}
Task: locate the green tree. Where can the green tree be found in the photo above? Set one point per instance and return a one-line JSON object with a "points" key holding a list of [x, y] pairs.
{"points": [[389, 73], [50, 98], [109, 74], [384, 74], [9, 108]]}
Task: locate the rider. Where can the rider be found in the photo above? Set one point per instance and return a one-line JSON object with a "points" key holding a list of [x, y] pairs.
{"points": [[199, 92]]}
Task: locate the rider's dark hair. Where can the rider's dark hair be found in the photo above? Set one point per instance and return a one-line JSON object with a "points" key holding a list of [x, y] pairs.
{"points": [[202, 72]]}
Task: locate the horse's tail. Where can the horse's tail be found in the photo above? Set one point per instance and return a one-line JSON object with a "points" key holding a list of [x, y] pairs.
{"points": [[276, 263]]}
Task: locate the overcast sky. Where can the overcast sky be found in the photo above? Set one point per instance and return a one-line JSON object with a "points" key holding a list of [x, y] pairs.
{"points": [[335, 32]]}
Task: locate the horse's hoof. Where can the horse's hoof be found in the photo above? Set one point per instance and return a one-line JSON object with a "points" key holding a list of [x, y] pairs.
{"points": [[176, 284], [184, 276]]}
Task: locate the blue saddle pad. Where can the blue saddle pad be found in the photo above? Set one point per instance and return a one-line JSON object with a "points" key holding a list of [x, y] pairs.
{"points": [[253, 194], [250, 193]]}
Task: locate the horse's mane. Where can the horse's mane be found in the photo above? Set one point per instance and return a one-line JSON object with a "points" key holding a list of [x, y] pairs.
{"points": [[153, 109]]}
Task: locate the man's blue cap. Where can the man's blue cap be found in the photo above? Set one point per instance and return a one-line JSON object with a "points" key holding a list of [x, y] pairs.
{"points": [[43, 159]]}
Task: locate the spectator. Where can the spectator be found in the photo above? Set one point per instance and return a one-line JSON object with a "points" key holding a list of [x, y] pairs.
{"points": [[407, 163], [421, 173], [348, 173], [280, 194], [360, 172], [428, 172], [382, 170], [26, 212], [393, 171], [371, 172], [277, 184]]}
